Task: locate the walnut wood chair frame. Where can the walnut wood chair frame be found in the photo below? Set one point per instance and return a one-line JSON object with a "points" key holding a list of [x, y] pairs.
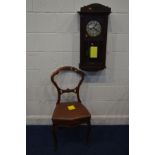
{"points": [[72, 122]]}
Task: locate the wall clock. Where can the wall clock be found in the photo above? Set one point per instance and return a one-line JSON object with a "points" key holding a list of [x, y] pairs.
{"points": [[93, 36]]}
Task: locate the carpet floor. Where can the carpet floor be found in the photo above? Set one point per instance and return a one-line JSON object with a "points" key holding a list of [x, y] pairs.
{"points": [[105, 140]]}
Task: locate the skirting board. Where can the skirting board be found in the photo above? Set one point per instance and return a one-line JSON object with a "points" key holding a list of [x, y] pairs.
{"points": [[95, 120]]}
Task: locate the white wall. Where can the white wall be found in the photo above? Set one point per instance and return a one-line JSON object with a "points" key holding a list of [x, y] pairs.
{"points": [[53, 41]]}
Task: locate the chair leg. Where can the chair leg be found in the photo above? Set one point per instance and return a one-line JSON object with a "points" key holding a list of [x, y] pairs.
{"points": [[54, 137], [88, 131]]}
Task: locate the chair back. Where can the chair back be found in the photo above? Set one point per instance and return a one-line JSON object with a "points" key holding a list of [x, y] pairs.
{"points": [[68, 90]]}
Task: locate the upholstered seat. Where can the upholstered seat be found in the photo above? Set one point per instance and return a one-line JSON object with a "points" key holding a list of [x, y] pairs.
{"points": [[61, 113]]}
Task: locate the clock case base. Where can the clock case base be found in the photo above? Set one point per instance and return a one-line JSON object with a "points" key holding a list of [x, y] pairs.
{"points": [[91, 68]]}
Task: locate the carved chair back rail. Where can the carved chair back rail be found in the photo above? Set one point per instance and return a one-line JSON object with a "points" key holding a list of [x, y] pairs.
{"points": [[74, 90]]}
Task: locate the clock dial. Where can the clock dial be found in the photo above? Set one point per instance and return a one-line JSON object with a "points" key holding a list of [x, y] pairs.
{"points": [[93, 28]]}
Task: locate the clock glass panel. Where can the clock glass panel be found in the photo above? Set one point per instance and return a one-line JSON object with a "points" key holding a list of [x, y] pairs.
{"points": [[93, 28]]}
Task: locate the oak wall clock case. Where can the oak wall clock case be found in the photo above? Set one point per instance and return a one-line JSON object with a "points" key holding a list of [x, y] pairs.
{"points": [[93, 36]]}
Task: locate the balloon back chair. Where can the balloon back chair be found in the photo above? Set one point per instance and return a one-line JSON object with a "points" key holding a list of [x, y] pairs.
{"points": [[72, 113]]}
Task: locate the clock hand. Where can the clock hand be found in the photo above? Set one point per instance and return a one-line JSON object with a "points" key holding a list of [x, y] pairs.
{"points": [[96, 29]]}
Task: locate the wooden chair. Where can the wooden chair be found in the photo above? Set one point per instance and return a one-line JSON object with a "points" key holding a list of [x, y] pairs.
{"points": [[62, 117]]}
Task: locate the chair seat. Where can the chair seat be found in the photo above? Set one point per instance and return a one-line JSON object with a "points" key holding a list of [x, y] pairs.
{"points": [[64, 116]]}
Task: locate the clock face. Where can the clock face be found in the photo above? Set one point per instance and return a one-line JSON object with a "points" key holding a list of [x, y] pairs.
{"points": [[93, 28]]}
